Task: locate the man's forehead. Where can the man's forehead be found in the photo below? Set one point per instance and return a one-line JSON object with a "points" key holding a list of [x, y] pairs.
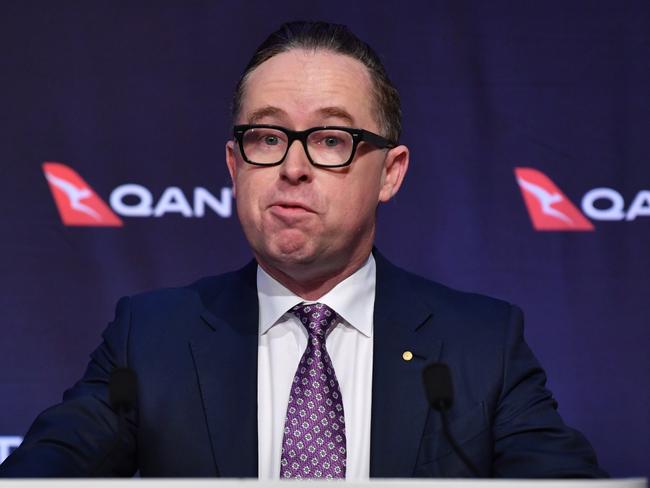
{"points": [[261, 114], [318, 84]]}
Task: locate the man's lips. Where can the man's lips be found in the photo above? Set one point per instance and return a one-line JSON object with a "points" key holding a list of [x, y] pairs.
{"points": [[291, 206], [287, 210]]}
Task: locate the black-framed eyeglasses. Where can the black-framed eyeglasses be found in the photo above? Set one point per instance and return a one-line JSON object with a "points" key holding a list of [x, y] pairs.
{"points": [[326, 147]]}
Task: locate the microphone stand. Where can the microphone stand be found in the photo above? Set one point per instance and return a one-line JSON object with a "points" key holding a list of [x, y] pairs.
{"points": [[450, 438]]}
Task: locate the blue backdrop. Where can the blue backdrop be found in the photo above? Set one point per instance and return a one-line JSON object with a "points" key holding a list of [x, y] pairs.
{"points": [[133, 98]]}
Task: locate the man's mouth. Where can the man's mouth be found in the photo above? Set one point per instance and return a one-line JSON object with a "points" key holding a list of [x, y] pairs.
{"points": [[289, 206], [290, 210]]}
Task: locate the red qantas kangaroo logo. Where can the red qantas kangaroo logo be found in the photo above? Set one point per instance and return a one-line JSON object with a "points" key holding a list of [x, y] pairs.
{"points": [[77, 202], [548, 207]]}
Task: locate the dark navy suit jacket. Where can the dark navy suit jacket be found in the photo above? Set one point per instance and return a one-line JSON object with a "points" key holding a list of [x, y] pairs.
{"points": [[194, 350]]}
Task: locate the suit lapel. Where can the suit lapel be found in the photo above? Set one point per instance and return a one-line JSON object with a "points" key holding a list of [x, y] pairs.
{"points": [[402, 322], [226, 366]]}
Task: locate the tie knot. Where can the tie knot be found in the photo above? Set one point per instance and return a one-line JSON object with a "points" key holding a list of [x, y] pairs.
{"points": [[316, 317]]}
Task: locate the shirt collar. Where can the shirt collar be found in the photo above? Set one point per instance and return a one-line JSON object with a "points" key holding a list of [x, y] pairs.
{"points": [[353, 298]]}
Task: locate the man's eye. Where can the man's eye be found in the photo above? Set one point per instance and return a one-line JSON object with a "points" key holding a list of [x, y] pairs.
{"points": [[271, 140], [332, 141]]}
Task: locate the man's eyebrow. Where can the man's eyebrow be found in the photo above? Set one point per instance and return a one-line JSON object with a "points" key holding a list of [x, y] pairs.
{"points": [[269, 111], [337, 112]]}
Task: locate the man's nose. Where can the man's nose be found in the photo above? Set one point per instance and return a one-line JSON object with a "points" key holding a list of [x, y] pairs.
{"points": [[296, 166]]}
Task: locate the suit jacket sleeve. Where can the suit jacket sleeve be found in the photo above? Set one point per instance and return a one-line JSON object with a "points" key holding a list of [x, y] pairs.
{"points": [[530, 438], [79, 437]]}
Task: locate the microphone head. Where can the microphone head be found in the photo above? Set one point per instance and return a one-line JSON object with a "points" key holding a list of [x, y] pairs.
{"points": [[437, 384], [123, 389]]}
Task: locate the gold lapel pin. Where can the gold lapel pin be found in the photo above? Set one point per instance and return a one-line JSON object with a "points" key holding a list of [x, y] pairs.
{"points": [[407, 355]]}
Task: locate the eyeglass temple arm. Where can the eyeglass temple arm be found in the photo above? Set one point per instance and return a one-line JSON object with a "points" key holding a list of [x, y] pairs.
{"points": [[377, 140]]}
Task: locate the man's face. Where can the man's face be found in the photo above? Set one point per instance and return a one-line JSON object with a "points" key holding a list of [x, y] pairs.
{"points": [[303, 221]]}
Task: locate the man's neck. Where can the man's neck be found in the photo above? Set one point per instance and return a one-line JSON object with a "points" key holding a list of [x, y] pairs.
{"points": [[313, 285]]}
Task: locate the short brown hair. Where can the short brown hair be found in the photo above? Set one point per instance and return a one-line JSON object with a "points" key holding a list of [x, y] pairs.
{"points": [[339, 39]]}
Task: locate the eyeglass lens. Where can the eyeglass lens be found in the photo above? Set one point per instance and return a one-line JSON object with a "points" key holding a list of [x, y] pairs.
{"points": [[325, 147]]}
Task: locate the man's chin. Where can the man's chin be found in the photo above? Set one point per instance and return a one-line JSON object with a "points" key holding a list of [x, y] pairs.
{"points": [[289, 256], [293, 255]]}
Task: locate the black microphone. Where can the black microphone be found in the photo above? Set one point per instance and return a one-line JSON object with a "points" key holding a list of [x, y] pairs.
{"points": [[122, 390], [122, 395], [440, 393]]}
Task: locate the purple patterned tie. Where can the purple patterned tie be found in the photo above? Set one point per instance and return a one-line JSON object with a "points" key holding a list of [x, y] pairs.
{"points": [[314, 428]]}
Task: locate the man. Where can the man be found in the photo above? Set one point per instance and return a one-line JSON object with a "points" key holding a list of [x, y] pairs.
{"points": [[307, 362]]}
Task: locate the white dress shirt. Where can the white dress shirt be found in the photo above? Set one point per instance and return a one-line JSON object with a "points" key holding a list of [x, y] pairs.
{"points": [[282, 342]]}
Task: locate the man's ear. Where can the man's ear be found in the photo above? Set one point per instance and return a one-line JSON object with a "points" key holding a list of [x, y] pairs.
{"points": [[231, 162], [395, 166]]}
